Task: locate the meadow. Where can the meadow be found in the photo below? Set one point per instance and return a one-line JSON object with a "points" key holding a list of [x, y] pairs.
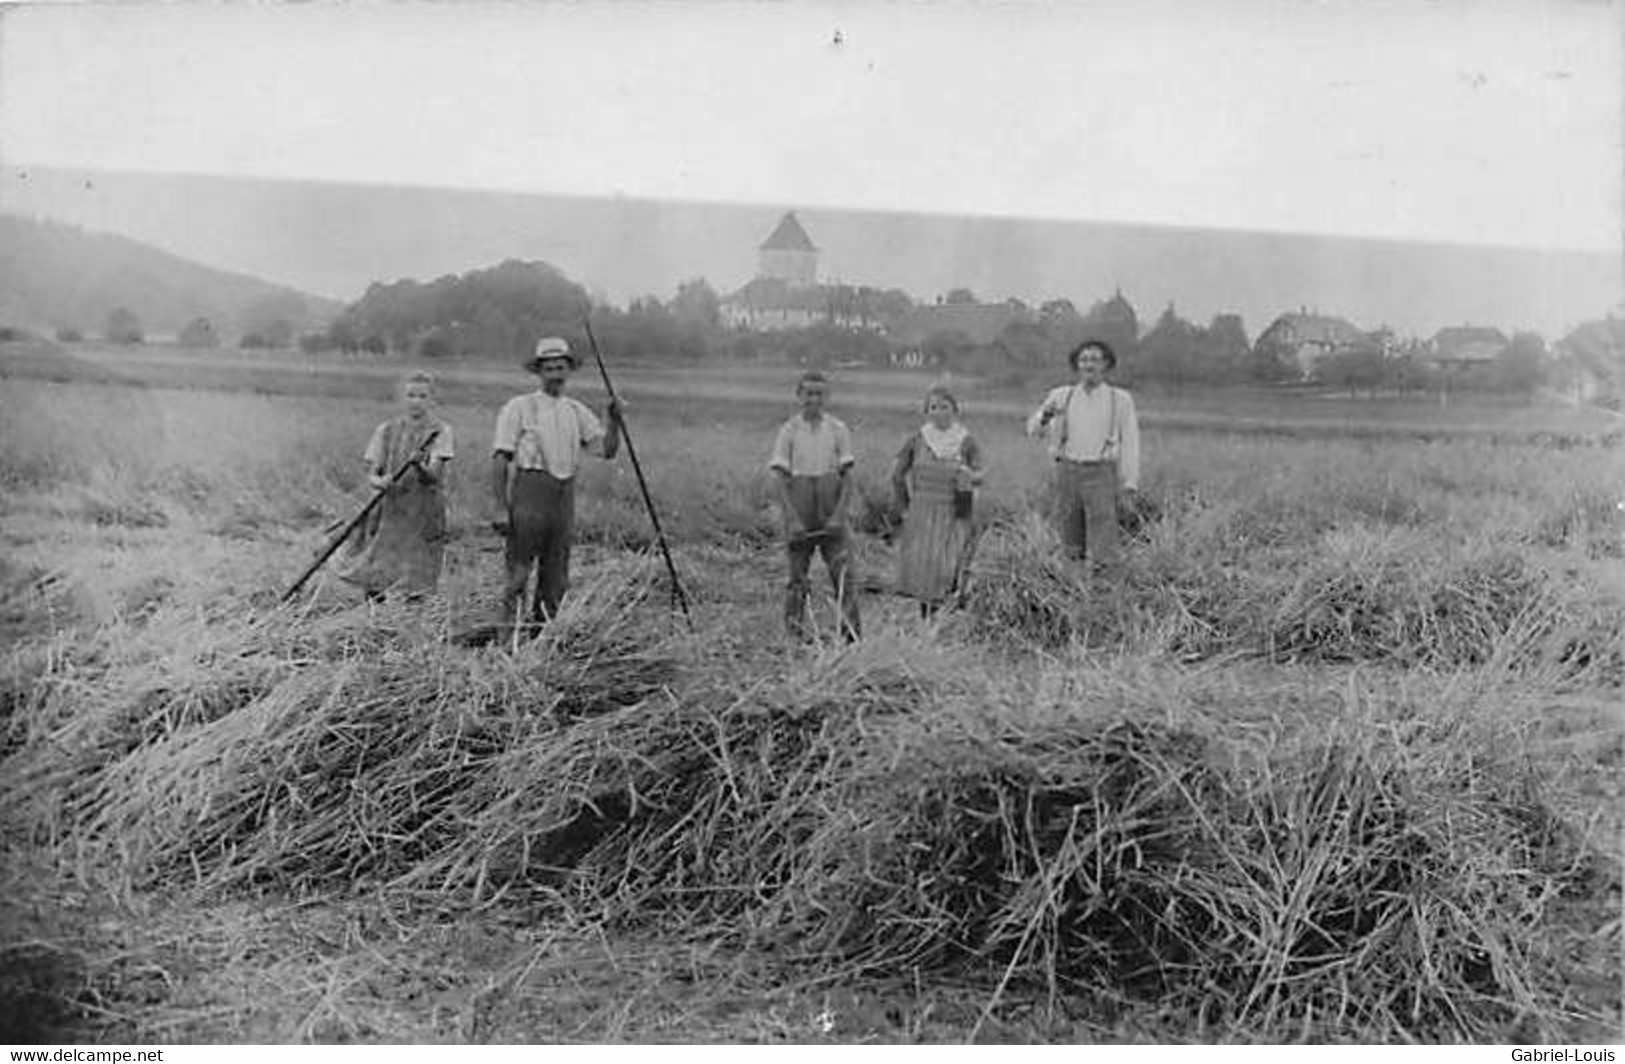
{"points": [[1337, 761], [720, 389]]}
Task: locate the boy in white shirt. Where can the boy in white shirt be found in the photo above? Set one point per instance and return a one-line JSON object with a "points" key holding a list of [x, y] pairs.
{"points": [[812, 460]]}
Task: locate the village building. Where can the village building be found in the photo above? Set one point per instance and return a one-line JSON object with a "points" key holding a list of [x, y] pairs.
{"points": [[1589, 363], [971, 324], [1303, 340], [768, 304], [1459, 348], [785, 293], [788, 254]]}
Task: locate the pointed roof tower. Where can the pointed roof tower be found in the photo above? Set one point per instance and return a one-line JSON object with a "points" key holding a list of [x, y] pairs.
{"points": [[788, 236]]}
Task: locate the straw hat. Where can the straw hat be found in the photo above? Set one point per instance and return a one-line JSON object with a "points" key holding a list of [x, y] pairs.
{"points": [[551, 347]]}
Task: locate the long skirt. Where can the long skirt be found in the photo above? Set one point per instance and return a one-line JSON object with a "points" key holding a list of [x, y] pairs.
{"points": [[404, 549], [935, 545]]}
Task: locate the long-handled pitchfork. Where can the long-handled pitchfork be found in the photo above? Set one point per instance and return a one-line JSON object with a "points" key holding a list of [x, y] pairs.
{"points": [[372, 504], [643, 485]]}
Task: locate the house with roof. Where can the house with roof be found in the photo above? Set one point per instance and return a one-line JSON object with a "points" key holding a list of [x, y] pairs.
{"points": [[972, 324], [785, 293], [1464, 347], [1589, 363], [769, 304], [1303, 340]]}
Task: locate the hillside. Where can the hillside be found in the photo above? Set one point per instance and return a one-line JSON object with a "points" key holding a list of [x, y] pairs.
{"points": [[55, 276]]}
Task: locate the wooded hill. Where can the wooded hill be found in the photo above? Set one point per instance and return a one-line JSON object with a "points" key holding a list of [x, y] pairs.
{"points": [[58, 278]]}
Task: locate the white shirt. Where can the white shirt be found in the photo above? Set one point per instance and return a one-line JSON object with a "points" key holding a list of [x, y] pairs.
{"points": [[547, 432], [395, 441], [805, 448], [1091, 426]]}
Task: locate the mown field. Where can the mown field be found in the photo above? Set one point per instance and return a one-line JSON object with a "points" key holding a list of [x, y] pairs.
{"points": [[719, 391], [1337, 761]]}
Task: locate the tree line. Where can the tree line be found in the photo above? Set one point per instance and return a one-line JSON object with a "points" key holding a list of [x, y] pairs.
{"points": [[501, 310]]}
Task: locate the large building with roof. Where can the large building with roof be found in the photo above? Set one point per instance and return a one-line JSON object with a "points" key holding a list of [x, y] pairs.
{"points": [[1463, 347], [785, 293], [1302, 340]]}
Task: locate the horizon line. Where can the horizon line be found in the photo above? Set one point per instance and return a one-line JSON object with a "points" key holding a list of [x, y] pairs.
{"points": [[1617, 252]]}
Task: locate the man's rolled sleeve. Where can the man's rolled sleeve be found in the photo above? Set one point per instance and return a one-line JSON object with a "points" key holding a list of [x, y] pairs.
{"points": [[779, 460], [506, 438], [844, 458], [1054, 400], [590, 428]]}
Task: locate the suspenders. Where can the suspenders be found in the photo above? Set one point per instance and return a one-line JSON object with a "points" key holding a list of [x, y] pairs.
{"points": [[1111, 424], [575, 428], [1066, 421]]}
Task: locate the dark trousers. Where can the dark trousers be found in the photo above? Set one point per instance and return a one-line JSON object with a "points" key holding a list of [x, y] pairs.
{"points": [[833, 544], [1086, 509], [544, 513]]}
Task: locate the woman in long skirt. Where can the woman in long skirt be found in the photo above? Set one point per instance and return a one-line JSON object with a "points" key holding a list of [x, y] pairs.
{"points": [[933, 480], [402, 546]]}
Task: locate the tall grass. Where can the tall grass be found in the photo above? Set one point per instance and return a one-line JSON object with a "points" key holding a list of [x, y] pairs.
{"points": [[279, 461]]}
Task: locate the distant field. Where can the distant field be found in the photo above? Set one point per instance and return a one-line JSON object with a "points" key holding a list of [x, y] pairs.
{"points": [[709, 393]]}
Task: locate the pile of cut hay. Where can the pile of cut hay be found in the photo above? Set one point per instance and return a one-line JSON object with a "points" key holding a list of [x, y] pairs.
{"points": [[1592, 519], [1391, 867], [1023, 590], [1355, 604], [1382, 597], [1111, 860], [302, 752], [883, 810]]}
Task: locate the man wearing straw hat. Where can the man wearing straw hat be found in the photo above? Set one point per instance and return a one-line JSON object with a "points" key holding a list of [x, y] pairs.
{"points": [[536, 453], [1094, 439]]}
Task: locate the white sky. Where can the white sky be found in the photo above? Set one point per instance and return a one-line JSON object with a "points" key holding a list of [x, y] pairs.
{"points": [[1477, 122]]}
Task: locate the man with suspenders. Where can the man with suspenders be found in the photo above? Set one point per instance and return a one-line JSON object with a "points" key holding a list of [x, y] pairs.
{"points": [[1094, 439]]}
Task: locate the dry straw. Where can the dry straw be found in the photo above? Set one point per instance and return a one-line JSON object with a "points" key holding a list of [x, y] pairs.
{"points": [[892, 809]]}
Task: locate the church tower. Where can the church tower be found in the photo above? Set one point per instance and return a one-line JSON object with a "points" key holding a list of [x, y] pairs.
{"points": [[788, 254]]}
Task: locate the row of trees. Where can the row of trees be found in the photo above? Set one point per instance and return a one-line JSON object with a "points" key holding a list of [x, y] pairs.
{"points": [[1177, 354], [501, 310], [1522, 368], [271, 321], [1174, 351], [120, 327]]}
